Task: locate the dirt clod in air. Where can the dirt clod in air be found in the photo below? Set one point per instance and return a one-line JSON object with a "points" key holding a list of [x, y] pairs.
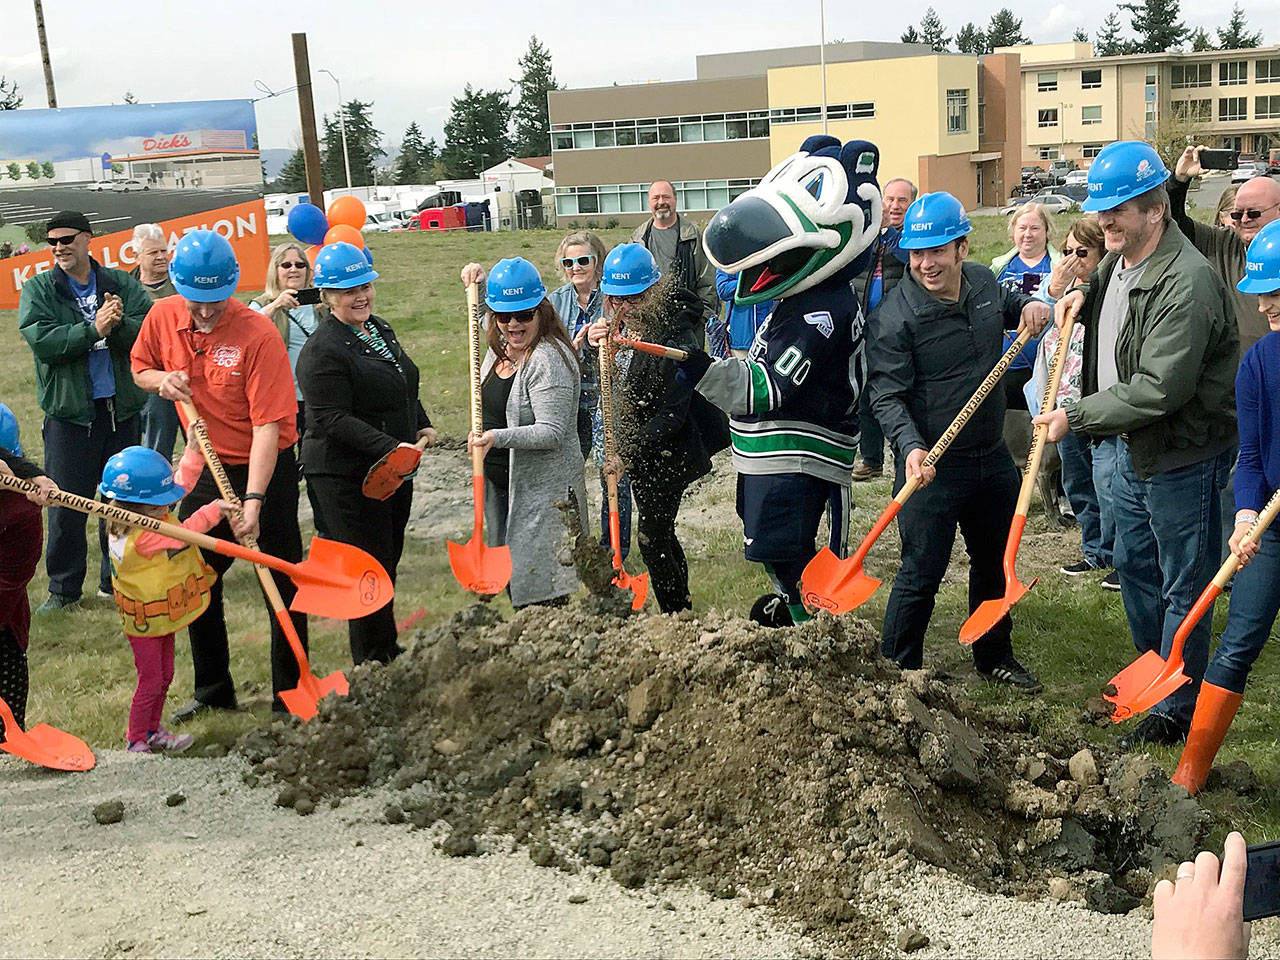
{"points": [[796, 768]]}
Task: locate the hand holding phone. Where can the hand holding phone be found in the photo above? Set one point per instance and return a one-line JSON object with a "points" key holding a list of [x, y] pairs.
{"points": [[1200, 914], [1219, 159], [308, 295]]}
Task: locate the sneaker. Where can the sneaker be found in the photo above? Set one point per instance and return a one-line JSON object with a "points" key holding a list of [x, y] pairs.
{"points": [[1154, 728], [192, 710], [139, 746], [1077, 568], [162, 739], [865, 471], [1111, 581], [106, 595], [1013, 673], [771, 611], [58, 603]]}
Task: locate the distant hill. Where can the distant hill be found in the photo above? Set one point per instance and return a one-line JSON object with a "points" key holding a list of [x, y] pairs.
{"points": [[275, 160]]}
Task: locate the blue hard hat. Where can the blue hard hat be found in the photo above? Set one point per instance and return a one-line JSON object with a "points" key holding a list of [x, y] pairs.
{"points": [[140, 475], [1121, 171], [514, 285], [1261, 265], [934, 219], [629, 269], [9, 431], [204, 267], [340, 266]]}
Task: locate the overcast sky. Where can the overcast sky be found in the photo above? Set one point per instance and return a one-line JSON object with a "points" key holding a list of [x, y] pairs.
{"points": [[392, 53]]}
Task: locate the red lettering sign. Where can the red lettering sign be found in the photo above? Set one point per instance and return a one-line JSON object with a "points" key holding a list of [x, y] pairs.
{"points": [[175, 142]]}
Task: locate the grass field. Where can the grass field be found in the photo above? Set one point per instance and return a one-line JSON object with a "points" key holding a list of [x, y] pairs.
{"points": [[1072, 633]]}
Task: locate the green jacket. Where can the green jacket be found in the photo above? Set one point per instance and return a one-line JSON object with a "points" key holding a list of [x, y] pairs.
{"points": [[50, 320], [1176, 357]]}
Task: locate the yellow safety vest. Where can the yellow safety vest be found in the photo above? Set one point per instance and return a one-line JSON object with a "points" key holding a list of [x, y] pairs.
{"points": [[161, 594]]}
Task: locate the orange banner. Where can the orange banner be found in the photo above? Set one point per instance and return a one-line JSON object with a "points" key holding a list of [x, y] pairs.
{"points": [[244, 224]]}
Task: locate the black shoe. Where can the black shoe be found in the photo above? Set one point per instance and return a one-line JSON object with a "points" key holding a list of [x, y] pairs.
{"points": [[192, 710], [57, 603], [1013, 673], [1154, 728], [771, 611], [1111, 581], [1077, 568]]}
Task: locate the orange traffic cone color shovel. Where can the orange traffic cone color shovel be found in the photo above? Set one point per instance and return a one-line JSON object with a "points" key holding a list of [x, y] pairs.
{"points": [[639, 584], [479, 568], [44, 745], [385, 476], [1151, 678], [829, 583], [303, 699], [991, 612], [656, 349]]}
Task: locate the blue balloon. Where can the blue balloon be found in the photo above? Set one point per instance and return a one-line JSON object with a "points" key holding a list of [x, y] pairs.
{"points": [[308, 223], [368, 256]]}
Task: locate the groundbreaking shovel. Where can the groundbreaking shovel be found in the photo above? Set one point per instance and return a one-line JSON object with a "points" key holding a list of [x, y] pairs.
{"points": [[1151, 678], [991, 612], [639, 584], [44, 745], [479, 568], [302, 700], [385, 476], [655, 349], [829, 583]]}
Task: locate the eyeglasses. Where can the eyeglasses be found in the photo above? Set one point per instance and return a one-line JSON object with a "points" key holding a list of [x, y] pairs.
{"points": [[568, 262], [524, 316], [626, 298], [1080, 252], [301, 264], [68, 240], [1238, 215]]}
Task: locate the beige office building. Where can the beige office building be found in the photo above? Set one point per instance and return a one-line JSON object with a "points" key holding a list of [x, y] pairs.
{"points": [[1076, 103], [946, 121]]}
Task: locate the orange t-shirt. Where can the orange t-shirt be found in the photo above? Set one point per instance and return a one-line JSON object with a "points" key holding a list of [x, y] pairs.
{"points": [[240, 376]]}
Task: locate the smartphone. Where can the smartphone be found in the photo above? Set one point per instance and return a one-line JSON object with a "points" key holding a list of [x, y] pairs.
{"points": [[1219, 159], [1262, 880], [308, 295]]}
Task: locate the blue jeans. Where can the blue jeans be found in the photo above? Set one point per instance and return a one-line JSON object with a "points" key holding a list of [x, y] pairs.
{"points": [[1103, 456], [1076, 455], [1168, 541], [159, 425], [1255, 601]]}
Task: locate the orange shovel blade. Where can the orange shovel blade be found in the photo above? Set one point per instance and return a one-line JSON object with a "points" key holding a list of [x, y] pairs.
{"points": [[49, 747], [340, 581], [303, 700], [835, 585], [638, 585], [385, 476], [991, 612], [479, 568], [1143, 684]]}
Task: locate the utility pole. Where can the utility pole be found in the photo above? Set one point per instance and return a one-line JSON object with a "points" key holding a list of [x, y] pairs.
{"points": [[307, 113], [342, 125], [44, 56], [822, 57]]}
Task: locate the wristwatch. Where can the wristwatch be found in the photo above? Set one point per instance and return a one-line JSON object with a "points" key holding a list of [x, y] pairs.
{"points": [[260, 497]]}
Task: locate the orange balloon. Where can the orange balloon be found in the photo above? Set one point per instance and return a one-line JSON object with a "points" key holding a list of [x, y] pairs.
{"points": [[344, 234], [348, 211], [313, 251]]}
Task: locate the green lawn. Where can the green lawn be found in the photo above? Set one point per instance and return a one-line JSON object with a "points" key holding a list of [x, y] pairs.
{"points": [[1070, 632]]}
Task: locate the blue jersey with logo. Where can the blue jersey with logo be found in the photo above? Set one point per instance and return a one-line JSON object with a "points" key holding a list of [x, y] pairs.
{"points": [[101, 375]]}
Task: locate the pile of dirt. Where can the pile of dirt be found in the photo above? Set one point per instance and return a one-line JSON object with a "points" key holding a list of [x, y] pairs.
{"points": [[794, 767]]}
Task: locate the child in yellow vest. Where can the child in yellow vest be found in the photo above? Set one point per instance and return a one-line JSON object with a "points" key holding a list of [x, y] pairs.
{"points": [[160, 584]]}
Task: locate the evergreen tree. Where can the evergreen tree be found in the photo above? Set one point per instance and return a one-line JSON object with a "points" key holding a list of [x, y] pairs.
{"points": [[364, 146], [932, 31], [1200, 40], [1109, 42], [532, 122], [409, 166], [129, 97], [1081, 35], [1157, 25], [293, 175], [475, 135], [909, 35], [1005, 30], [1235, 37], [970, 39], [10, 98], [430, 154]]}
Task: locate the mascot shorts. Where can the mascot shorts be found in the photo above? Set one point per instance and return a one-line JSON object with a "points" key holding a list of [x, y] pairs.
{"points": [[780, 515]]}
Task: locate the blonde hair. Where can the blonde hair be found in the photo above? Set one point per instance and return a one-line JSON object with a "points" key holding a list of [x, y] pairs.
{"points": [[582, 238], [271, 288], [1225, 202], [1087, 231], [147, 231], [1039, 210]]}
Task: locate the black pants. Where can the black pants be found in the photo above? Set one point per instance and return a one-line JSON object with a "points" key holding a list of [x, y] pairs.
{"points": [[73, 458], [870, 436], [658, 505], [317, 518], [13, 676], [279, 536], [979, 495], [376, 526]]}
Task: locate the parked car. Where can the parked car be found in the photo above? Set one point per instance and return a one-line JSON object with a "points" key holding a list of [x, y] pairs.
{"points": [[128, 186], [1058, 170], [1248, 170], [1080, 177], [1035, 177], [1076, 191], [99, 185], [380, 223], [1053, 201]]}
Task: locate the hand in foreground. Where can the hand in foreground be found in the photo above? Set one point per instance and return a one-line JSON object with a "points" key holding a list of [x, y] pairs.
{"points": [[596, 332], [1035, 317], [246, 526], [176, 386], [1188, 164], [1243, 550], [472, 273], [483, 443], [694, 367], [915, 467], [430, 434], [1057, 421], [1064, 275], [288, 300], [109, 314], [1070, 304], [1202, 916], [613, 467]]}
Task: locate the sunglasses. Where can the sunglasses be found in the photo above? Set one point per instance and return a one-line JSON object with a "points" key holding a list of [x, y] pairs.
{"points": [[67, 241], [1080, 252], [524, 316], [626, 298], [1238, 215], [568, 262], [301, 264]]}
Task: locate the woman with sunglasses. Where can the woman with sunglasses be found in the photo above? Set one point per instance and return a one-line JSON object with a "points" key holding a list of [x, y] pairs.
{"points": [[529, 388], [666, 431]]}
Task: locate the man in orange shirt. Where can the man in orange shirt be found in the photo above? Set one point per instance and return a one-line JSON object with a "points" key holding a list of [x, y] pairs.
{"points": [[201, 345]]}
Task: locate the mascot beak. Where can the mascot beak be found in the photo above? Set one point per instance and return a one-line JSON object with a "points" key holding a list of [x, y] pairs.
{"points": [[742, 231]]}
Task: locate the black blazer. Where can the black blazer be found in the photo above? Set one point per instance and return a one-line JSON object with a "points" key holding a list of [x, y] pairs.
{"points": [[358, 405]]}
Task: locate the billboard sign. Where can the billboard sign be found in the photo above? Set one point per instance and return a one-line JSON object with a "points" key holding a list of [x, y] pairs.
{"points": [[185, 166]]}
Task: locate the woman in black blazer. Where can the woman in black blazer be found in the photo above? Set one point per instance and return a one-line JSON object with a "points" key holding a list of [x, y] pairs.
{"points": [[361, 395]]}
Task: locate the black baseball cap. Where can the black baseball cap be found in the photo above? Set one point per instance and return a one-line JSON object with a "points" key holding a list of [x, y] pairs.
{"points": [[69, 218]]}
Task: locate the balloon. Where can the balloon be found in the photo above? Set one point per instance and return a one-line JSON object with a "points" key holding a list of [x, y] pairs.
{"points": [[347, 210], [307, 223], [313, 251], [343, 233], [368, 256]]}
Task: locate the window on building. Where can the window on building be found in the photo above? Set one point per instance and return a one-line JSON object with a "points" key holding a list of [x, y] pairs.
{"points": [[735, 129], [696, 195], [669, 130], [851, 111], [1090, 150], [1193, 111], [957, 111], [1183, 75], [1232, 72], [646, 132], [562, 140], [1047, 82], [691, 130], [1047, 118], [982, 118], [588, 200], [584, 139], [1268, 71], [1266, 108], [1048, 153], [1233, 108], [758, 124], [1090, 115], [1152, 76], [626, 136], [1091, 79]]}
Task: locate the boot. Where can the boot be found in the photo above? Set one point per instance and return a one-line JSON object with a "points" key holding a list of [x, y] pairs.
{"points": [[1215, 709]]}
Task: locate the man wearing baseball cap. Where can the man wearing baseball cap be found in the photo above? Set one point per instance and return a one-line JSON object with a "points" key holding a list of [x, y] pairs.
{"points": [[1160, 355], [80, 320]]}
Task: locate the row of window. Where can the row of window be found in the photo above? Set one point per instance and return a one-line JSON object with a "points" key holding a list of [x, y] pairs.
{"points": [[1229, 108], [1181, 75], [691, 195], [1047, 81], [1088, 116], [1089, 151]]}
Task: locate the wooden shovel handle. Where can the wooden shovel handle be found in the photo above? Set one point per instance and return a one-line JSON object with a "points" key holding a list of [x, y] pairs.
{"points": [[1047, 405], [475, 355], [1259, 527], [655, 349], [606, 351]]}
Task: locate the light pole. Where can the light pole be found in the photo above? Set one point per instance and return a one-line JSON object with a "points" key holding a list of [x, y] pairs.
{"points": [[822, 57], [342, 125]]}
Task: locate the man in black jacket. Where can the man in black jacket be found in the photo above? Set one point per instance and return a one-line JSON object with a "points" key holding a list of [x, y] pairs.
{"points": [[932, 341]]}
